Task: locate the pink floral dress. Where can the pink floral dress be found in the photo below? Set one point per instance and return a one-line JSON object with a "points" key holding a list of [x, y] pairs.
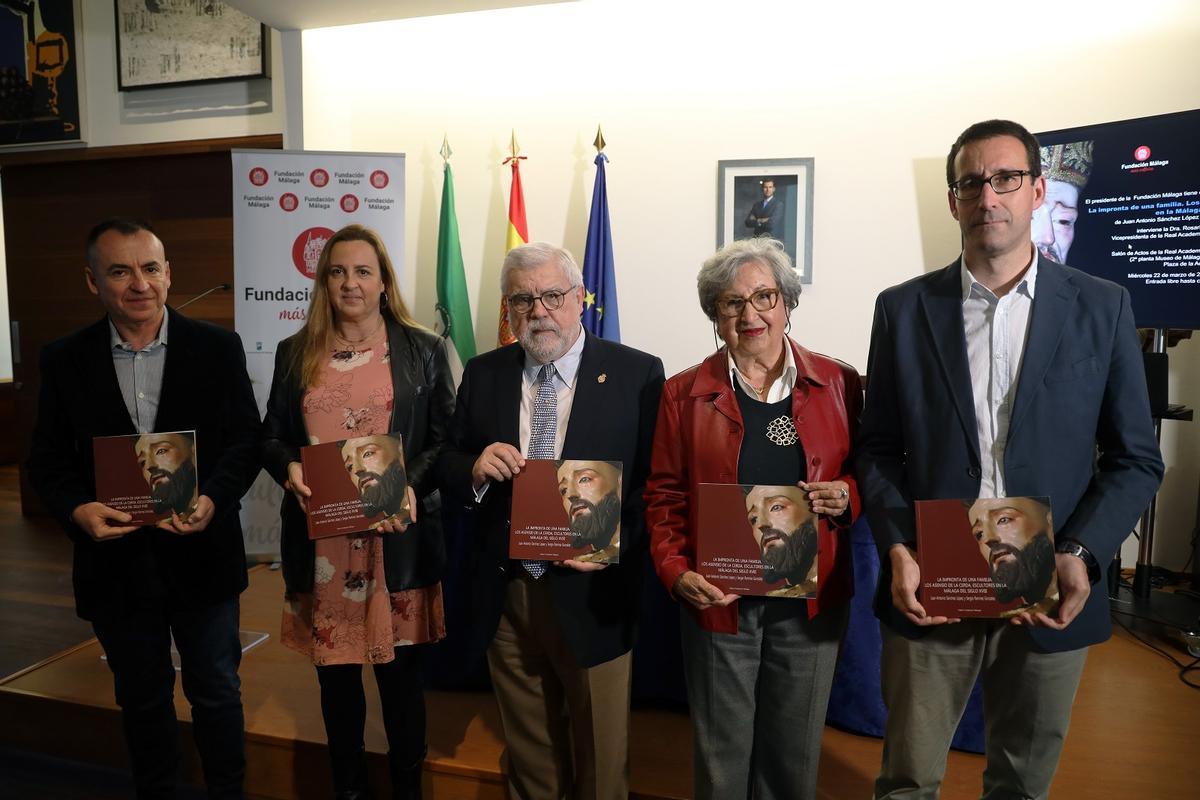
{"points": [[351, 617]]}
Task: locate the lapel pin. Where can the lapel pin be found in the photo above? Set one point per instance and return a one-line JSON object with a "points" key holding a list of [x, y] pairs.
{"points": [[602, 377]]}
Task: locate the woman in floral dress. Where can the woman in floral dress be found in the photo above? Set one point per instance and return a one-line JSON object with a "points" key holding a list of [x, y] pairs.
{"points": [[361, 366]]}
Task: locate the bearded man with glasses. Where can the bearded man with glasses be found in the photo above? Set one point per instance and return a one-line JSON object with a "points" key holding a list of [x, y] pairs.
{"points": [[558, 636]]}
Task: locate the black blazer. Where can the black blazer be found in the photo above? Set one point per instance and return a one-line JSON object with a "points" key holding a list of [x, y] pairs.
{"points": [[205, 388], [1082, 389], [423, 400], [612, 419]]}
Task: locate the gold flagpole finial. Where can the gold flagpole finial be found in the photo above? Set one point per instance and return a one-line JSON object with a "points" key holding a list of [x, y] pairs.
{"points": [[514, 148], [599, 143], [445, 152]]}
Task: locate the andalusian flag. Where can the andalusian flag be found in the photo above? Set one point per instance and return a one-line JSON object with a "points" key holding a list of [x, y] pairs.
{"points": [[518, 233], [453, 305], [599, 279]]}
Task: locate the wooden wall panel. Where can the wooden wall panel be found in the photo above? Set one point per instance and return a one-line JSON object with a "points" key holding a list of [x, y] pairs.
{"points": [[52, 199]]}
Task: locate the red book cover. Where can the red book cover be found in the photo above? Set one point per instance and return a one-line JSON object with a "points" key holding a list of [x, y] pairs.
{"points": [[356, 484], [986, 558], [567, 509], [757, 540], [147, 475]]}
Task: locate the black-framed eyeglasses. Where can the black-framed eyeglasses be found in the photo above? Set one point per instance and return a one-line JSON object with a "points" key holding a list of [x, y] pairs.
{"points": [[552, 300], [970, 187], [762, 300]]}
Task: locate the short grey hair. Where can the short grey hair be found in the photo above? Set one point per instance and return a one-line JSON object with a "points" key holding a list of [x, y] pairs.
{"points": [[721, 269], [534, 254]]}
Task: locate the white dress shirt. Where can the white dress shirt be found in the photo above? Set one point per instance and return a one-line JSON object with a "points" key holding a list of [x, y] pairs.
{"points": [[783, 385], [996, 330]]}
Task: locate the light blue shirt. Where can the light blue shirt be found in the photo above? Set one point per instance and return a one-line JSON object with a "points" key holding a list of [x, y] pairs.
{"points": [[140, 374]]}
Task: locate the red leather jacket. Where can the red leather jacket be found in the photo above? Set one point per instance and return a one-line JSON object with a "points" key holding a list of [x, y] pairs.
{"points": [[698, 439]]}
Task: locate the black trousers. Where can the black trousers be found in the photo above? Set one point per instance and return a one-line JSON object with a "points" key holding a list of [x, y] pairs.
{"points": [[138, 648], [344, 708]]}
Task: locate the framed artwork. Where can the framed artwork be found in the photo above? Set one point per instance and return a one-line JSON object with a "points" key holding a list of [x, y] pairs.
{"points": [[39, 72], [768, 197], [177, 42]]}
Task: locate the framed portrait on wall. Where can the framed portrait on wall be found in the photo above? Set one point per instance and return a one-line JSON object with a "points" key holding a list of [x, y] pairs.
{"points": [[176, 42], [768, 197], [40, 86]]}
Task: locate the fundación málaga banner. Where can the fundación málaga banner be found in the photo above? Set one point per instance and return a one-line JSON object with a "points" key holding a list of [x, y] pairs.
{"points": [[286, 205]]}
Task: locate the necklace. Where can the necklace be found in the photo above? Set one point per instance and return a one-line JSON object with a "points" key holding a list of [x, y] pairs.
{"points": [[345, 340]]}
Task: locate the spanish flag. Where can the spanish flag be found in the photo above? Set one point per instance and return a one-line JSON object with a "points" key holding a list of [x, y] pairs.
{"points": [[518, 233]]}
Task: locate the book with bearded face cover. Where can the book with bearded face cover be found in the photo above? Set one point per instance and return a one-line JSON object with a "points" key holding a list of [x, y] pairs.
{"points": [[990, 558], [147, 475], [567, 510], [356, 484], [757, 540]]}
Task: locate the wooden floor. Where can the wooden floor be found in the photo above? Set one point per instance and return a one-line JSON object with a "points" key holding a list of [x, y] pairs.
{"points": [[1135, 732]]}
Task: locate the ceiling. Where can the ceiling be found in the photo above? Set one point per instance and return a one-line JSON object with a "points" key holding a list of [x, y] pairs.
{"points": [[305, 14]]}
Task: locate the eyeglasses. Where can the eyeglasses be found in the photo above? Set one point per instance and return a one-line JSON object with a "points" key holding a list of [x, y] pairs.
{"points": [[970, 187], [762, 300], [552, 300]]}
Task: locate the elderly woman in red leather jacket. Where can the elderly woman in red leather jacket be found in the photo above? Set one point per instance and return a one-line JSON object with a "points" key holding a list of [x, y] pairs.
{"points": [[761, 410]]}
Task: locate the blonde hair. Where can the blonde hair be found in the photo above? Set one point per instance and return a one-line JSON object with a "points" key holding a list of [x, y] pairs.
{"points": [[316, 337]]}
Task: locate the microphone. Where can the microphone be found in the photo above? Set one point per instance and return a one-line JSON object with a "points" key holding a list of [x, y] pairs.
{"points": [[206, 293]]}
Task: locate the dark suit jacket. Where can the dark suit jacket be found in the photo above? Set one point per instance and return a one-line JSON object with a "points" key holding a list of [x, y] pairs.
{"points": [[612, 419], [423, 399], [773, 213], [1081, 391], [204, 388]]}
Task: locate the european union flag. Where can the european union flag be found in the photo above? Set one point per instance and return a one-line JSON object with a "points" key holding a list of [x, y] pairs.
{"points": [[599, 279]]}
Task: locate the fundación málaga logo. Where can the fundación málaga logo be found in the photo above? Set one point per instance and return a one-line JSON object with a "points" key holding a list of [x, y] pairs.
{"points": [[306, 250], [289, 202], [349, 203], [318, 177], [1141, 153], [258, 176], [379, 179]]}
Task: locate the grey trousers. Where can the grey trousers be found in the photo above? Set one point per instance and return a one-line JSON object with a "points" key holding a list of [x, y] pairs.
{"points": [[758, 699], [1027, 699]]}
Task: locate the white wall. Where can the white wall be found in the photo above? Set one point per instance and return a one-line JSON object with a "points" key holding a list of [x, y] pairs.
{"points": [[875, 94]]}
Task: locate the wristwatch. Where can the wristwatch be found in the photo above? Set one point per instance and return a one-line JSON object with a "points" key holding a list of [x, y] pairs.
{"points": [[1074, 548]]}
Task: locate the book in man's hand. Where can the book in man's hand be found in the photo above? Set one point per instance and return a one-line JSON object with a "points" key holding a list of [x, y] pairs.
{"points": [[986, 557], [356, 484], [757, 540], [568, 509], [147, 475]]}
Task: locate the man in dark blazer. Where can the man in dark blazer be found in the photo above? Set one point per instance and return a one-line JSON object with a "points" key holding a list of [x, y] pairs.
{"points": [[147, 368], [766, 215], [558, 636], [1004, 374]]}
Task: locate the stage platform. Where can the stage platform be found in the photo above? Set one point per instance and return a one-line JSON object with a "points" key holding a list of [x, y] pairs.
{"points": [[1135, 733]]}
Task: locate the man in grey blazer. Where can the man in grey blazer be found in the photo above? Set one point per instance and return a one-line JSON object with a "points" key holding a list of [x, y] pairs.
{"points": [[1003, 374]]}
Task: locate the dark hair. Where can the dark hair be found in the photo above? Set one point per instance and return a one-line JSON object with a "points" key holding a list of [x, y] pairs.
{"points": [[990, 130], [126, 226]]}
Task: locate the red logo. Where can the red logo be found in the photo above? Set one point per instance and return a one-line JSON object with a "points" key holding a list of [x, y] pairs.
{"points": [[289, 201], [306, 250], [318, 177], [258, 176], [379, 179], [349, 203], [1141, 153]]}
